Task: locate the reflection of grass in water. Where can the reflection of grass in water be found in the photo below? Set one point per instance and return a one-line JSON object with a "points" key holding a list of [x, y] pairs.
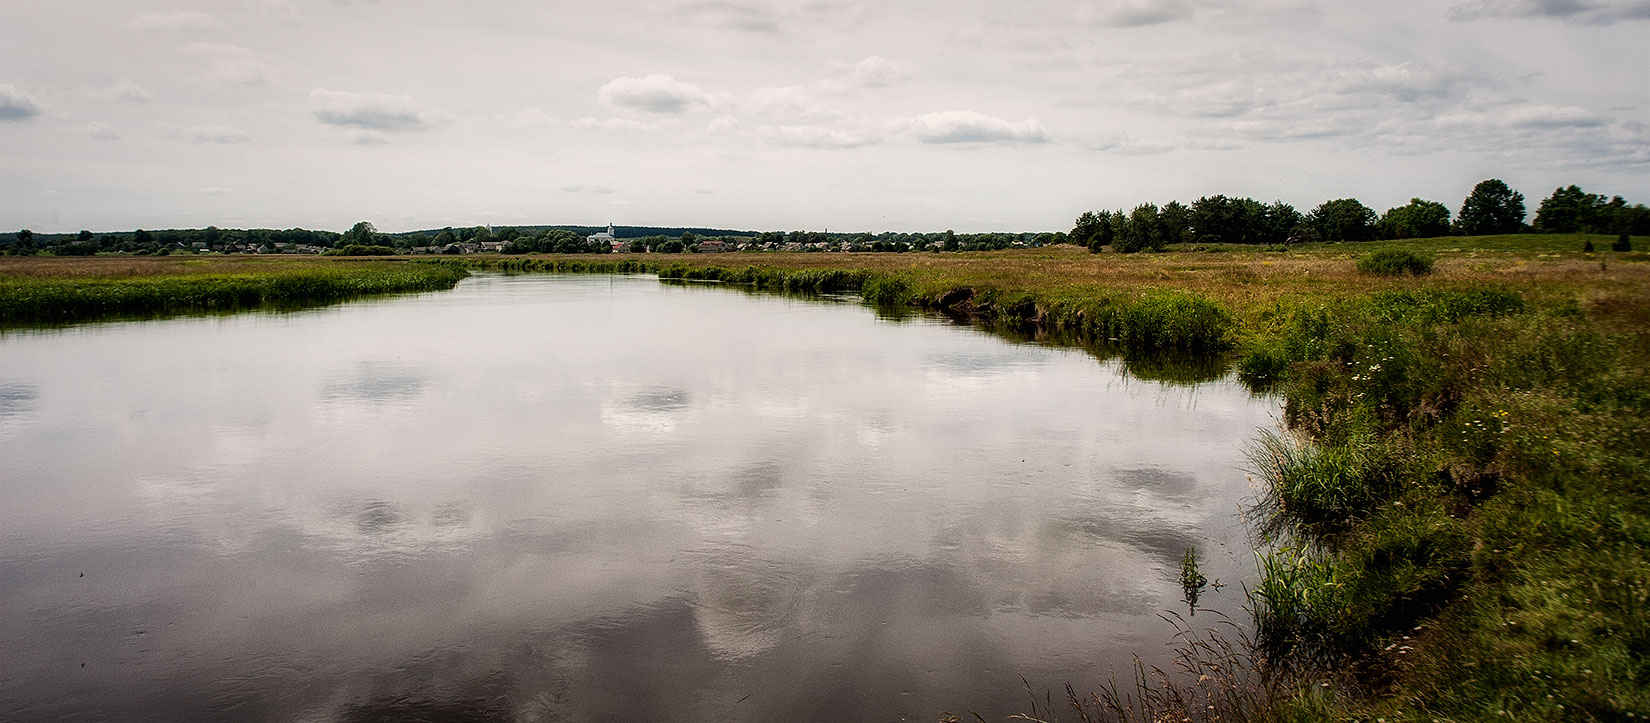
{"points": [[1191, 580]]}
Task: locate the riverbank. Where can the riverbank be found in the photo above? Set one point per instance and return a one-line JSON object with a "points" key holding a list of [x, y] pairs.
{"points": [[37, 291], [1461, 496]]}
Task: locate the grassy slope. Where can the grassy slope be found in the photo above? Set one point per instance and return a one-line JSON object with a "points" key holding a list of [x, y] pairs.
{"points": [[48, 290], [1468, 497]]}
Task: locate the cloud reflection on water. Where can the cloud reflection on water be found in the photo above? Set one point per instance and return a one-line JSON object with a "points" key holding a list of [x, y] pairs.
{"points": [[793, 503]]}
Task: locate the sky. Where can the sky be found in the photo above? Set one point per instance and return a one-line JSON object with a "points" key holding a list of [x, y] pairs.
{"points": [[885, 115]]}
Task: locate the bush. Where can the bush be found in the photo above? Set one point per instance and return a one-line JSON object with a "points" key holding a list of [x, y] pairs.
{"points": [[1587, 248], [359, 250], [1395, 262], [1623, 243]]}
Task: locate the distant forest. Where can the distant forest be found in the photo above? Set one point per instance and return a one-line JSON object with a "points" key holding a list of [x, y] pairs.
{"points": [[364, 239], [1491, 208]]}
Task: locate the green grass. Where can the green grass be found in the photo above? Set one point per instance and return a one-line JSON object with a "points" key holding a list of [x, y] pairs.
{"points": [[32, 301]]}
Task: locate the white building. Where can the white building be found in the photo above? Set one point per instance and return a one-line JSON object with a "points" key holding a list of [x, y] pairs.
{"points": [[604, 238]]}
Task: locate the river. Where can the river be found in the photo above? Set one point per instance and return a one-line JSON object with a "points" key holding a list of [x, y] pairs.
{"points": [[592, 498]]}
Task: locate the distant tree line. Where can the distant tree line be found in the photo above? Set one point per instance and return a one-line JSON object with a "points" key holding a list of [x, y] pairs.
{"points": [[365, 239], [1491, 208]]}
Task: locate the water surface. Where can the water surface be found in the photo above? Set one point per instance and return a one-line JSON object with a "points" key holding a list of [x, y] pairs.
{"points": [[542, 498]]}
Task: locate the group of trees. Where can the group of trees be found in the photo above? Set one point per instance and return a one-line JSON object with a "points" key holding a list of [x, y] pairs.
{"points": [[1572, 210], [1491, 208], [141, 242]]}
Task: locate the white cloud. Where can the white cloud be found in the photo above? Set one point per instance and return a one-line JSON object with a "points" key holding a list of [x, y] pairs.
{"points": [[655, 93], [232, 64], [582, 188], [815, 136], [767, 18], [368, 138], [723, 124], [207, 133], [873, 72], [966, 126], [1407, 82], [373, 111], [1586, 12], [124, 90], [16, 105], [610, 124], [100, 130], [1123, 144], [174, 20], [791, 101], [214, 191], [529, 118], [730, 16], [1131, 13], [1528, 117]]}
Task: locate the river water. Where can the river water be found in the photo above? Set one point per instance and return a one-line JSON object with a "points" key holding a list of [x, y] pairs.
{"points": [[591, 498]]}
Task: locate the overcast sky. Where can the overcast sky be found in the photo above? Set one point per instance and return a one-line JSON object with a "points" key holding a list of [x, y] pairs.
{"points": [[976, 115]]}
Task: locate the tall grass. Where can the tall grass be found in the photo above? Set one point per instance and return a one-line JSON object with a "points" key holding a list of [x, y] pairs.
{"points": [[56, 300]]}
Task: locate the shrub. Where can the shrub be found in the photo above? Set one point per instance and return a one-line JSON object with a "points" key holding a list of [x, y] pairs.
{"points": [[1623, 243], [1395, 262], [360, 250], [1587, 247]]}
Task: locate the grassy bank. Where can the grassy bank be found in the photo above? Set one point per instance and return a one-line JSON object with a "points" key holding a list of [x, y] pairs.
{"points": [[1461, 500], [44, 291]]}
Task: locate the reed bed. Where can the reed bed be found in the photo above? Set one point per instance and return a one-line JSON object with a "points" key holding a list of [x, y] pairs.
{"points": [[57, 294]]}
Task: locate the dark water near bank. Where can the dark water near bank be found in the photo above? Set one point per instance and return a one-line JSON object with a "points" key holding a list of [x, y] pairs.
{"points": [[545, 498]]}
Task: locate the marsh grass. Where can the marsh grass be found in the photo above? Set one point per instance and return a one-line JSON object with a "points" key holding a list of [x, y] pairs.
{"points": [[1215, 674], [128, 292]]}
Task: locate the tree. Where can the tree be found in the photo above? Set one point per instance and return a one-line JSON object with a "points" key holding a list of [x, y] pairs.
{"points": [[1491, 208], [1623, 243], [1218, 219], [1344, 219], [1143, 231], [1417, 219], [361, 234], [1570, 210], [1175, 222], [1086, 228], [1280, 222]]}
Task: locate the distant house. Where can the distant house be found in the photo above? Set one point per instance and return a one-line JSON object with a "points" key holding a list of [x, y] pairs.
{"points": [[622, 247], [606, 238], [712, 246]]}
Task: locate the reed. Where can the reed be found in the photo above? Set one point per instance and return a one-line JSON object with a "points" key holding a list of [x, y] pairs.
{"points": [[45, 300]]}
